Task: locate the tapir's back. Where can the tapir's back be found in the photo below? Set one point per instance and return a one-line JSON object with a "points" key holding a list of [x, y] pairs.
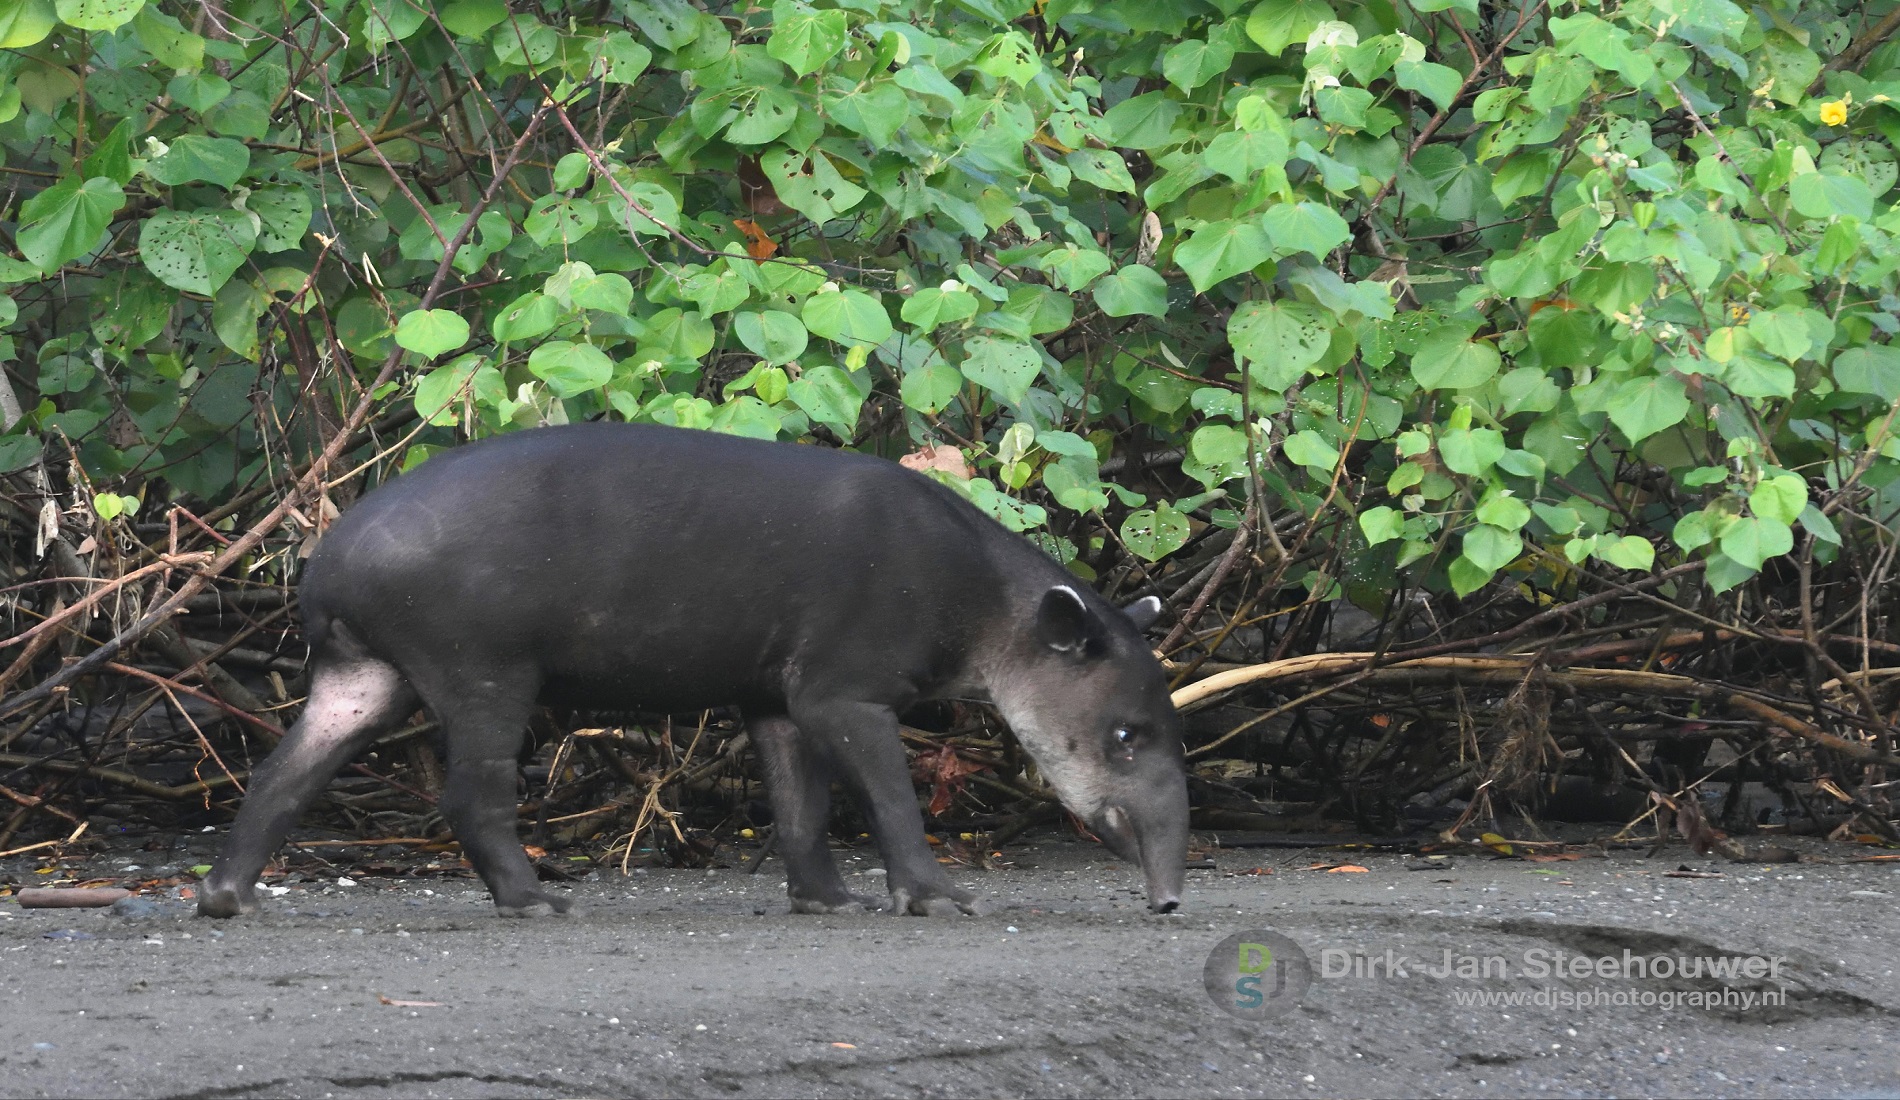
{"points": [[643, 565]]}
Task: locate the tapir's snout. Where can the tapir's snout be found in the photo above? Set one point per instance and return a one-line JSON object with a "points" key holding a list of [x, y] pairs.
{"points": [[1152, 834]]}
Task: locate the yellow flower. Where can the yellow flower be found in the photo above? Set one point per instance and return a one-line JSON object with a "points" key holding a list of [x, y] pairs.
{"points": [[1834, 112]]}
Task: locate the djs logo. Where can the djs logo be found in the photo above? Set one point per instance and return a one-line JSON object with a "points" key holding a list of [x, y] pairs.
{"points": [[1256, 975]]}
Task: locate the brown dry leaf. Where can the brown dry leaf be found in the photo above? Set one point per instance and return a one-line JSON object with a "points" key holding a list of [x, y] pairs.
{"points": [[938, 457], [757, 244], [393, 1003], [1551, 857], [1347, 868], [945, 770], [534, 851], [1249, 871], [845, 1046]]}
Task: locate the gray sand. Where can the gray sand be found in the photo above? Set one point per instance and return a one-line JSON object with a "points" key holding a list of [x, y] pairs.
{"points": [[673, 983]]}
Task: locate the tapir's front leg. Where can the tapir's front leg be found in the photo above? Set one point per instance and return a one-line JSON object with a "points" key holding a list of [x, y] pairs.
{"points": [[799, 787], [862, 738]]}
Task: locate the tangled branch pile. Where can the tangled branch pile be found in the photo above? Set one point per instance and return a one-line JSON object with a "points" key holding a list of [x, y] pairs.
{"points": [[1511, 381]]}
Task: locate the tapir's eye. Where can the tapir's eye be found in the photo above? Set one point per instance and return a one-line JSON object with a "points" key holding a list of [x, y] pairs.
{"points": [[1125, 736]]}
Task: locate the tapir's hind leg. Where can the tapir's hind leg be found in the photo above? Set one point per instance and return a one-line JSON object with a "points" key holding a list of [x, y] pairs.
{"points": [[353, 697], [798, 784], [485, 722], [863, 739]]}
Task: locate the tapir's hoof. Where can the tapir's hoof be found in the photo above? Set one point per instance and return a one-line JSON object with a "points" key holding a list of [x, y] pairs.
{"points": [[225, 901], [539, 905], [940, 902], [852, 903]]}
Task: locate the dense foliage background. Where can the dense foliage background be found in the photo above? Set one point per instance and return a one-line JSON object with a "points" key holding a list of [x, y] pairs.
{"points": [[1504, 322]]}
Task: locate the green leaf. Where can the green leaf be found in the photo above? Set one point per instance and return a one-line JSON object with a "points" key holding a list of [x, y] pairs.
{"points": [[194, 157], [1501, 509], [1465, 575], [849, 317], [1143, 122], [432, 332], [473, 18], [1492, 548], [1471, 451], [1295, 227], [935, 306], [1829, 194], [1131, 290], [829, 396], [1873, 369], [1446, 360], [802, 38], [1692, 531], [1218, 445], [1644, 406], [196, 252], [235, 313], [67, 220], [19, 451], [773, 335], [931, 389], [1438, 83], [166, 40], [285, 212], [1004, 367], [1310, 449], [386, 21], [610, 292], [1279, 340], [1628, 552], [810, 184], [97, 15], [559, 219], [25, 23], [531, 315], [1222, 250], [1101, 167], [570, 369], [1192, 63], [1780, 498], [1277, 24], [1381, 524], [198, 91], [1752, 540], [669, 24], [439, 393], [1154, 533], [767, 114]]}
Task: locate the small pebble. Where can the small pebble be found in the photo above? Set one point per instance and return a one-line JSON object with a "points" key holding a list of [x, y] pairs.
{"points": [[135, 908]]}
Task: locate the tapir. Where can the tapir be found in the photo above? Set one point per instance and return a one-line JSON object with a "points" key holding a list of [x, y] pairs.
{"points": [[626, 567]]}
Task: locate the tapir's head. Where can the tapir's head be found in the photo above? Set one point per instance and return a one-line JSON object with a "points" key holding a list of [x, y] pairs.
{"points": [[1086, 697]]}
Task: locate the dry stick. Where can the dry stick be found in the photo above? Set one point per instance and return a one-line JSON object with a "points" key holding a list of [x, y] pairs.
{"points": [[1512, 669], [165, 561], [169, 687], [255, 536], [1857, 51], [1561, 611], [1228, 560], [115, 777]]}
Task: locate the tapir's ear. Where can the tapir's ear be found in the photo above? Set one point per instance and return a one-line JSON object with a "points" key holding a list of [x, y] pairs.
{"points": [[1143, 612], [1062, 622]]}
